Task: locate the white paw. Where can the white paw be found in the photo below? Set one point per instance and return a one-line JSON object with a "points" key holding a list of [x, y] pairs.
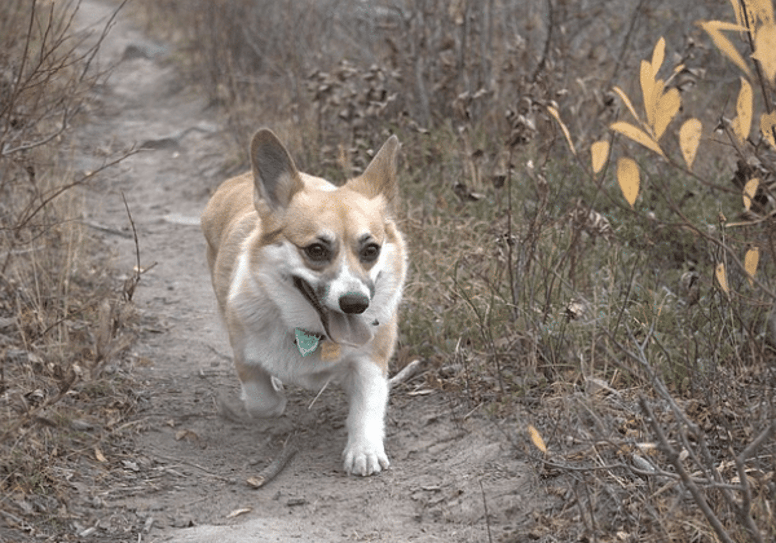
{"points": [[365, 458]]}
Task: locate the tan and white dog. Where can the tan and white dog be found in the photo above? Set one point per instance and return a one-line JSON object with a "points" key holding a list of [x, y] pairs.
{"points": [[308, 278]]}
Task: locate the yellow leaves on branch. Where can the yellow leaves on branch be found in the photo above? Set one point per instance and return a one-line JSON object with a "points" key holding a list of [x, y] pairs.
{"points": [[767, 127], [751, 259], [628, 178], [765, 49], [599, 152], [762, 28], [637, 135], [660, 105], [714, 30], [742, 124], [750, 189], [689, 139]]}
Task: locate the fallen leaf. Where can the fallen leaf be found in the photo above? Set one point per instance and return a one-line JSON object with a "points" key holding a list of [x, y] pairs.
{"points": [[99, 456], [186, 434], [238, 512]]}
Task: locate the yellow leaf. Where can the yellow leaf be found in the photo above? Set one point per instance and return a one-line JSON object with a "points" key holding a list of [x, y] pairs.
{"points": [[536, 438], [761, 10], [628, 178], [637, 135], [99, 455], [714, 28], [751, 259], [689, 139], [626, 100], [667, 108], [767, 127], [647, 79], [742, 124], [658, 54], [765, 49], [554, 113], [750, 189], [738, 12], [722, 278], [600, 152]]}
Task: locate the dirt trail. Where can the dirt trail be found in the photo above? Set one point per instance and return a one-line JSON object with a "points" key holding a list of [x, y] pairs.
{"points": [[184, 477]]}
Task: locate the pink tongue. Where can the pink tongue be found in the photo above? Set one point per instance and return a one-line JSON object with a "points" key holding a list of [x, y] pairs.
{"points": [[348, 329]]}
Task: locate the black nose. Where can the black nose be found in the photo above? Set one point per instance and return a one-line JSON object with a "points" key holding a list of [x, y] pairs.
{"points": [[353, 304]]}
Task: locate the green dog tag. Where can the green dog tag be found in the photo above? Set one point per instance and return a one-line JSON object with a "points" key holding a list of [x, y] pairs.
{"points": [[306, 342]]}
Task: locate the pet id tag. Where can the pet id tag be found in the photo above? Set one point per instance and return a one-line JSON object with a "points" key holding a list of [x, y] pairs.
{"points": [[306, 342]]}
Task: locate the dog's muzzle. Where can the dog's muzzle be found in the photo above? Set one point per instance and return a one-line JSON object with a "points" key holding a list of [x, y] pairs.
{"points": [[346, 327]]}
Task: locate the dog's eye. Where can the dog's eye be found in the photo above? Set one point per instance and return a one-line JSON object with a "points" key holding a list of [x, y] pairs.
{"points": [[370, 252], [317, 252]]}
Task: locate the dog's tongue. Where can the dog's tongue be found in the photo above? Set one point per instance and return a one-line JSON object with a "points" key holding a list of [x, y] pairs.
{"points": [[348, 329]]}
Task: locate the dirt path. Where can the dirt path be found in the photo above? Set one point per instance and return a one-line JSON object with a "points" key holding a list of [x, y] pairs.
{"points": [[184, 477]]}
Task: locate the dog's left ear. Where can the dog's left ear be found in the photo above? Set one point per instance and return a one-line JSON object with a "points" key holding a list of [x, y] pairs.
{"points": [[380, 176]]}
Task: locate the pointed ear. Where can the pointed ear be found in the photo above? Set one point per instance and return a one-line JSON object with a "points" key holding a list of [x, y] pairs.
{"points": [[274, 174], [380, 176]]}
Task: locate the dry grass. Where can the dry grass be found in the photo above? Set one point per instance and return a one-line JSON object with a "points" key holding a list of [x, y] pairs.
{"points": [[62, 321], [532, 281]]}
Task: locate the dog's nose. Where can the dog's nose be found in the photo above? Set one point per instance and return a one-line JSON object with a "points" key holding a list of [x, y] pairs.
{"points": [[353, 304]]}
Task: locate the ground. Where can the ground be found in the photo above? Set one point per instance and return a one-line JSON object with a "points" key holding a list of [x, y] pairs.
{"points": [[455, 476]]}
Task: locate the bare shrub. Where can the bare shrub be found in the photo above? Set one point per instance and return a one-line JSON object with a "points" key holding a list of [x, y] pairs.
{"points": [[54, 333]]}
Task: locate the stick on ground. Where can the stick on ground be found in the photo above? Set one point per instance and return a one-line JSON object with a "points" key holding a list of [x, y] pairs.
{"points": [[273, 469]]}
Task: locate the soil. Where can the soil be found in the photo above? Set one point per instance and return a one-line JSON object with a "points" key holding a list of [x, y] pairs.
{"points": [[456, 475]]}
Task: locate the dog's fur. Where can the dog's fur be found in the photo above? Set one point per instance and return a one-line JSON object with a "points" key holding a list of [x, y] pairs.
{"points": [[290, 253]]}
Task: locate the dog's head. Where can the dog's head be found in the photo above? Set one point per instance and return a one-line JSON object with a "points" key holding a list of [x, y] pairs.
{"points": [[335, 252]]}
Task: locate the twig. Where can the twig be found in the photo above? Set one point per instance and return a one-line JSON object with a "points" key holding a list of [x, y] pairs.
{"points": [[487, 516], [406, 373], [673, 458], [274, 468], [192, 464], [130, 284], [547, 42]]}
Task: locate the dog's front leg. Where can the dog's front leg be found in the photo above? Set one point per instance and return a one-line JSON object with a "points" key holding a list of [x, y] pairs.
{"points": [[367, 389], [262, 397]]}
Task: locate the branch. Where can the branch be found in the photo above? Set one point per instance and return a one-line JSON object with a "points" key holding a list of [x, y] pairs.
{"points": [[673, 458]]}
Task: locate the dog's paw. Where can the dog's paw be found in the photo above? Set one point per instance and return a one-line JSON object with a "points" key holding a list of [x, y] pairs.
{"points": [[365, 459], [264, 399]]}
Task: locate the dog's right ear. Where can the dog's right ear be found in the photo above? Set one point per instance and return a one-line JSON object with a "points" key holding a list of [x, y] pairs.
{"points": [[274, 174]]}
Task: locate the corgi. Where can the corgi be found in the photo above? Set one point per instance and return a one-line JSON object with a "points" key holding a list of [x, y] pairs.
{"points": [[308, 278]]}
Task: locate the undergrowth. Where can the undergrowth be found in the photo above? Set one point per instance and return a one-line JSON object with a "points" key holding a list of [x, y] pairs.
{"points": [[609, 294], [63, 397]]}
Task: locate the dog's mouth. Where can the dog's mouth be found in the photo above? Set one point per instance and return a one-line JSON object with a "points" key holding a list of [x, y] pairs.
{"points": [[340, 327]]}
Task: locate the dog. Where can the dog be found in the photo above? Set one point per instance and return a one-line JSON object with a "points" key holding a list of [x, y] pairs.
{"points": [[308, 278]]}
